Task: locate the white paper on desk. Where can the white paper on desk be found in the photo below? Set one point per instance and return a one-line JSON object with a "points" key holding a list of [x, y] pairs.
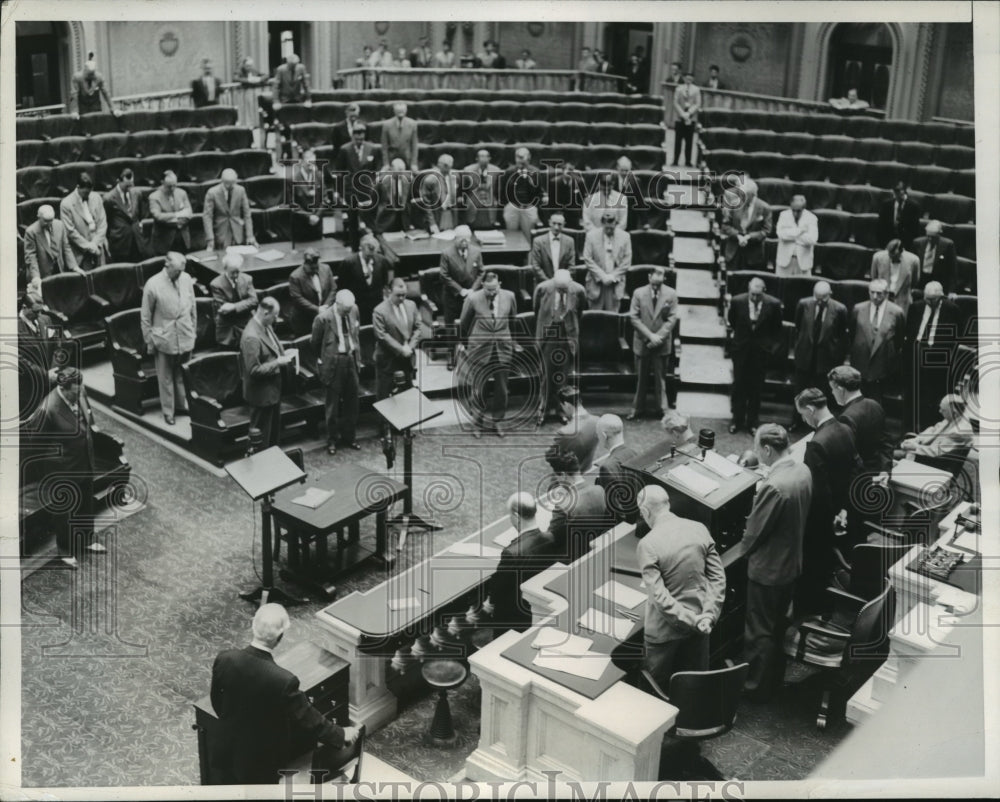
{"points": [[604, 624], [473, 550], [393, 236], [587, 666], [313, 497], [504, 539], [692, 480], [416, 234], [718, 464], [242, 250], [491, 237], [208, 256], [621, 594], [406, 603], [555, 640], [270, 255], [448, 234]]}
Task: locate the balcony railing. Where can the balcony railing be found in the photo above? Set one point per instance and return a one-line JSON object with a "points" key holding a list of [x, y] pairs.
{"points": [[361, 78]]}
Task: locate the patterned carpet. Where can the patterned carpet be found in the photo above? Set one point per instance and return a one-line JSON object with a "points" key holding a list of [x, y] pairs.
{"points": [[115, 654]]}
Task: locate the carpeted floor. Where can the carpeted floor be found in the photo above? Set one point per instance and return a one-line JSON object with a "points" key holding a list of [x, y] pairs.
{"points": [[115, 654]]}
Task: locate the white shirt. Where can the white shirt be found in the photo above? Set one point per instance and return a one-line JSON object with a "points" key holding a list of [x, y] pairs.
{"points": [[895, 268], [609, 252], [928, 314], [317, 287], [876, 315], [554, 249]]}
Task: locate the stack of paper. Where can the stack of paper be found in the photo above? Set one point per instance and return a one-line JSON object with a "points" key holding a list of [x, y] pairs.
{"points": [[587, 666], [552, 639], [716, 463], [603, 624], [692, 480], [491, 237], [242, 250], [313, 497], [269, 255], [621, 594], [447, 235], [473, 550]]}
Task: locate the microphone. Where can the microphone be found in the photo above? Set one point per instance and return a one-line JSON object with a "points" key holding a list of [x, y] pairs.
{"points": [[706, 441], [256, 440]]}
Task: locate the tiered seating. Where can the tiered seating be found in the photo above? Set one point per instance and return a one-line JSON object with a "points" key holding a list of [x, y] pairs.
{"points": [[59, 125]]}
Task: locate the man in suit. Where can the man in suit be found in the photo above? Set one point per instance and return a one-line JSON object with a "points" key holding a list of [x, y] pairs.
{"points": [[952, 433], [482, 203], [335, 340], [265, 717], [746, 223], [343, 132], [367, 274], [205, 90], [397, 331], [653, 313], [579, 511], [552, 251], [169, 322], [901, 271], [291, 83], [263, 360], [311, 288], [605, 199], [932, 329], [522, 193], [687, 104], [567, 192], [607, 253], [557, 303], [936, 255], [307, 183], [46, 247], [233, 300], [171, 212], [227, 214], [685, 588], [65, 421], [439, 197], [487, 315], [620, 485], [36, 339], [395, 210], [399, 137], [82, 214], [357, 165], [531, 552], [713, 81], [422, 57], [798, 232], [833, 462], [461, 273], [899, 217], [821, 339], [578, 435], [87, 87], [773, 541], [876, 332], [755, 320], [625, 183], [126, 242]]}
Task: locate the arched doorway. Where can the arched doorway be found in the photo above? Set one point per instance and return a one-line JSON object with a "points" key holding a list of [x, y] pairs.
{"points": [[861, 57], [42, 64]]}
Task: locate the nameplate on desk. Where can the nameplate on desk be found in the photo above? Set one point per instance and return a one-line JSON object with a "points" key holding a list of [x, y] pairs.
{"points": [[621, 594], [586, 666], [472, 550], [269, 256], [601, 623], [692, 480], [313, 497]]}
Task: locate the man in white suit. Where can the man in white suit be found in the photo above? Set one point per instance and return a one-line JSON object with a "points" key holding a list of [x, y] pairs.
{"points": [[82, 213], [798, 231], [605, 199], [901, 271], [607, 253], [227, 214]]}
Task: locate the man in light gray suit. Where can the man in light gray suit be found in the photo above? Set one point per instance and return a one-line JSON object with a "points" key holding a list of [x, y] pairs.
{"points": [[397, 331], [227, 214], [773, 539], [653, 314], [399, 137], [901, 271], [234, 300], [876, 336], [47, 250], [553, 251], [607, 253], [558, 303]]}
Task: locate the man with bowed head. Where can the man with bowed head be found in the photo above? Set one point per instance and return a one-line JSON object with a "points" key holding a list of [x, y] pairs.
{"points": [[263, 359], [226, 214]]}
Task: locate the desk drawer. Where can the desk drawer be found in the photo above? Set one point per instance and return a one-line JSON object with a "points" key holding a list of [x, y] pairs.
{"points": [[334, 684]]}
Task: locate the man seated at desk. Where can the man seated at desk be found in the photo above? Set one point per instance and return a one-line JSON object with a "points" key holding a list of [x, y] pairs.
{"points": [[946, 437]]}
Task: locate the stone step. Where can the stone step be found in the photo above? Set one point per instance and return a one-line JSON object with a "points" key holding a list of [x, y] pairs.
{"points": [[693, 251], [696, 286], [701, 324], [690, 221], [682, 194], [705, 366], [696, 404]]}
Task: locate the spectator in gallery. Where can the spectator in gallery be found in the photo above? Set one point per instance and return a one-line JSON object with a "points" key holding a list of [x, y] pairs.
{"points": [[607, 254], [47, 248], [383, 56], [587, 63], [798, 232], [899, 217], [901, 271], [445, 58], [248, 74], [522, 192], [367, 57], [422, 57], [87, 87], [850, 102], [402, 60], [636, 76], [291, 83], [82, 214], [171, 212], [602, 64], [525, 61], [937, 257], [490, 58], [713, 81], [205, 89], [676, 73], [399, 137], [687, 104], [746, 223], [605, 199]]}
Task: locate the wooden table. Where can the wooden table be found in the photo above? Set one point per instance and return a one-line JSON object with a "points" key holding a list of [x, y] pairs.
{"points": [[266, 273], [419, 254]]}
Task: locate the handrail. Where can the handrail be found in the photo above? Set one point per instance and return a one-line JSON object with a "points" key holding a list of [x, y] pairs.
{"points": [[361, 78], [953, 121]]}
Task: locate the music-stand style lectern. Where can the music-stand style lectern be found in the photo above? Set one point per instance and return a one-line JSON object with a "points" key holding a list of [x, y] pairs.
{"points": [[261, 476], [403, 412]]}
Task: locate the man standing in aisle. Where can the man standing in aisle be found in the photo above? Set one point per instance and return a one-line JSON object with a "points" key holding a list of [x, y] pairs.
{"points": [[461, 273], [607, 253], [653, 313], [552, 251], [558, 304], [335, 338], [397, 332], [755, 319], [687, 104], [263, 359], [227, 214]]}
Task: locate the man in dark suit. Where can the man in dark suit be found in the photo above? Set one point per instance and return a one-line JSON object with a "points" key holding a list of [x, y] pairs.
{"points": [[899, 217], [579, 511], [773, 540], [936, 255], [531, 552], [620, 485], [205, 90], [834, 463], [395, 210], [567, 193], [266, 719], [932, 329], [291, 83], [755, 320], [263, 359], [397, 331], [552, 251], [233, 299], [122, 208], [482, 208], [335, 341], [578, 435], [485, 325], [357, 164], [311, 288], [36, 340], [226, 214], [461, 273], [367, 274], [821, 339], [746, 223], [343, 131], [557, 303], [47, 249], [876, 332], [653, 314]]}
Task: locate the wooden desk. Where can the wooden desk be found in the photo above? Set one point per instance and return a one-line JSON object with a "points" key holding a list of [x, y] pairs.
{"points": [[264, 273], [419, 254]]}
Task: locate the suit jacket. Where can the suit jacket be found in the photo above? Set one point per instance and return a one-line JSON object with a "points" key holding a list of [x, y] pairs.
{"points": [[259, 352], [42, 260], [400, 142], [266, 720], [649, 318], [227, 224], [544, 305], [944, 262], [486, 190], [596, 205], [909, 276], [530, 553], [577, 522], [594, 259], [395, 210], [540, 258], [461, 274], [757, 226], [341, 135], [352, 275], [360, 178], [291, 85], [776, 524], [305, 302], [909, 222], [164, 210], [54, 424], [796, 239], [35, 348], [390, 336], [684, 578], [169, 315], [483, 331], [944, 438], [621, 487], [199, 94], [229, 326], [307, 190], [78, 230], [579, 437], [762, 341], [945, 333], [876, 353], [125, 239], [866, 420], [326, 341], [430, 210], [833, 461], [832, 346]]}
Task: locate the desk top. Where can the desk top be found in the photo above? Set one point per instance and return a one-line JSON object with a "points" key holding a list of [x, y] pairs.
{"points": [[330, 250], [514, 243]]}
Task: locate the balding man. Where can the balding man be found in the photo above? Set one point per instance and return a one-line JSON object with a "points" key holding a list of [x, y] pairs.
{"points": [[653, 314], [685, 587], [87, 87], [901, 271], [522, 192], [755, 320], [439, 195], [266, 720], [530, 553], [937, 257], [932, 331], [47, 250], [82, 213], [798, 233], [620, 485], [335, 339], [821, 338], [877, 329], [399, 137], [263, 360], [604, 200], [233, 300], [461, 272], [227, 214], [746, 223], [481, 210], [552, 251], [557, 304], [171, 212], [367, 274], [291, 82], [396, 323], [677, 429]]}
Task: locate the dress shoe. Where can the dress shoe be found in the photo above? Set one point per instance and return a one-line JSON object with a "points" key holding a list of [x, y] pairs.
{"points": [[632, 416], [71, 562], [353, 444], [733, 428], [331, 450], [168, 419], [97, 548]]}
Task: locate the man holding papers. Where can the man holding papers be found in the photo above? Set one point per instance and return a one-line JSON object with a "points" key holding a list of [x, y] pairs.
{"points": [[685, 585]]}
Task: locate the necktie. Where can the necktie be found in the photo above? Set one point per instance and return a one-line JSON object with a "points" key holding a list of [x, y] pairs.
{"points": [[127, 196], [493, 309], [229, 197], [368, 272], [656, 296], [401, 314], [926, 335], [818, 323], [463, 252], [929, 258], [899, 207], [345, 335], [561, 303], [48, 239], [400, 126]]}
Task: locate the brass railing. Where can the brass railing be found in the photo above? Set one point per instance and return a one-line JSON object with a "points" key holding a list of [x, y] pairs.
{"points": [[361, 78]]}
